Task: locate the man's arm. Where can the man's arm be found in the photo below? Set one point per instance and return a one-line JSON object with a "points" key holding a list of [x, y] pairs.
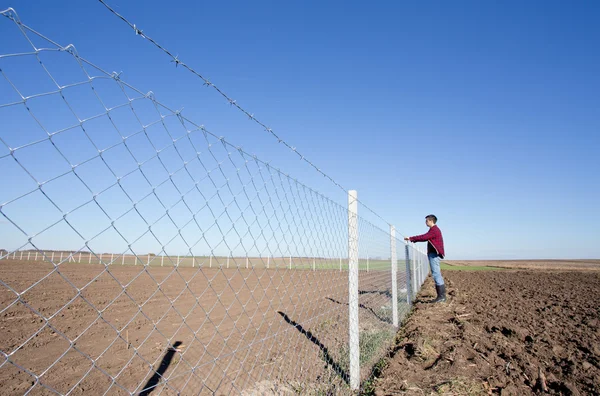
{"points": [[421, 238]]}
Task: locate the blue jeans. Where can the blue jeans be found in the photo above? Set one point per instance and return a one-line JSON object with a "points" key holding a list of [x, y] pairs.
{"points": [[434, 264]]}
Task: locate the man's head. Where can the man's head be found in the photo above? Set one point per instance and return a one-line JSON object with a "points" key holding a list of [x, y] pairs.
{"points": [[430, 220]]}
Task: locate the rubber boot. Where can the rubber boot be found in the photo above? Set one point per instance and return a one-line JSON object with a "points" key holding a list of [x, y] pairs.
{"points": [[441, 293]]}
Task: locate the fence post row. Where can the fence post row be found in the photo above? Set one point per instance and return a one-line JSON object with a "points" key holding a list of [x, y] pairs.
{"points": [[394, 276], [354, 349]]}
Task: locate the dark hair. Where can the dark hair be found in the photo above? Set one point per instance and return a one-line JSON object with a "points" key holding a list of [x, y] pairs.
{"points": [[432, 218]]}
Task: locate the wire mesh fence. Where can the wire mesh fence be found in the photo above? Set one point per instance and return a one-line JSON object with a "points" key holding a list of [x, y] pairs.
{"points": [[144, 254]]}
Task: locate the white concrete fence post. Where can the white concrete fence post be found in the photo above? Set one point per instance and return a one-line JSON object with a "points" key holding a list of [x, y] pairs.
{"points": [[394, 276], [422, 267], [354, 349], [423, 273], [409, 290], [414, 269]]}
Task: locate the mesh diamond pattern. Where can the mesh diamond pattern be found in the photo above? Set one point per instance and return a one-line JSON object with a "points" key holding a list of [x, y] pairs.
{"points": [[144, 254]]}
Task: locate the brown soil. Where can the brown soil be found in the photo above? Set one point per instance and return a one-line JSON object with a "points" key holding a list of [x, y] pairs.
{"points": [[91, 329], [508, 332]]}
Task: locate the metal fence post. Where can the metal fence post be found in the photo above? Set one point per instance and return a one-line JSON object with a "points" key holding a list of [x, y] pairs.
{"points": [[394, 276], [353, 289], [415, 270], [409, 289]]}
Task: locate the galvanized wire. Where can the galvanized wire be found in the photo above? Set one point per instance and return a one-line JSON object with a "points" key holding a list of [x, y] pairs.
{"points": [[178, 62], [147, 254]]}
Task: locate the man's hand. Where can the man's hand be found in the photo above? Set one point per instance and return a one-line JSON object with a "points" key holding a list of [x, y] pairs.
{"points": [[407, 238]]}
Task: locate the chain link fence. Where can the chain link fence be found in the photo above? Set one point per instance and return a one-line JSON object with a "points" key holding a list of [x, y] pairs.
{"points": [[142, 253]]}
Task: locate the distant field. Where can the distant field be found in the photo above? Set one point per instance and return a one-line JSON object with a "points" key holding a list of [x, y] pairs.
{"points": [[450, 267], [587, 265]]}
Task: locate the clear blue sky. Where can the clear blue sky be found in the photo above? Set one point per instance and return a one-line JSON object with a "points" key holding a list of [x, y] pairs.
{"points": [[484, 113]]}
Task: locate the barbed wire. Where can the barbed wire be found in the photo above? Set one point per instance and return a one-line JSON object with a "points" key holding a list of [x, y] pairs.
{"points": [[175, 59]]}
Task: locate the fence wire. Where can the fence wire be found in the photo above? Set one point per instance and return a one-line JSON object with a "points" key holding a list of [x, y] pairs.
{"points": [[144, 254], [234, 103]]}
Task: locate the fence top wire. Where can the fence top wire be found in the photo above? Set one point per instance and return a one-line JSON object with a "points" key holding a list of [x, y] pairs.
{"points": [[175, 59], [11, 14]]}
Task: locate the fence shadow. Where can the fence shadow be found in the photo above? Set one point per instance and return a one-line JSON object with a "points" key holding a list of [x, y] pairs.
{"points": [[326, 356], [162, 367], [378, 316], [380, 292]]}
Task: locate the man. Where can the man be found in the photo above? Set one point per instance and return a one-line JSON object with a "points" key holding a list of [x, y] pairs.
{"points": [[435, 252]]}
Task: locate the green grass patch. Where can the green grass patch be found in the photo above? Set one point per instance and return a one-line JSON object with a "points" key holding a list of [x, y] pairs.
{"points": [[371, 343], [446, 267]]}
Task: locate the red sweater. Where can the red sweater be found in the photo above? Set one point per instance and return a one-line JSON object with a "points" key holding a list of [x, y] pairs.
{"points": [[434, 237]]}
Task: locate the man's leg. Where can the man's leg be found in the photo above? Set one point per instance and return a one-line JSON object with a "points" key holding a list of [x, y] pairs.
{"points": [[436, 273]]}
